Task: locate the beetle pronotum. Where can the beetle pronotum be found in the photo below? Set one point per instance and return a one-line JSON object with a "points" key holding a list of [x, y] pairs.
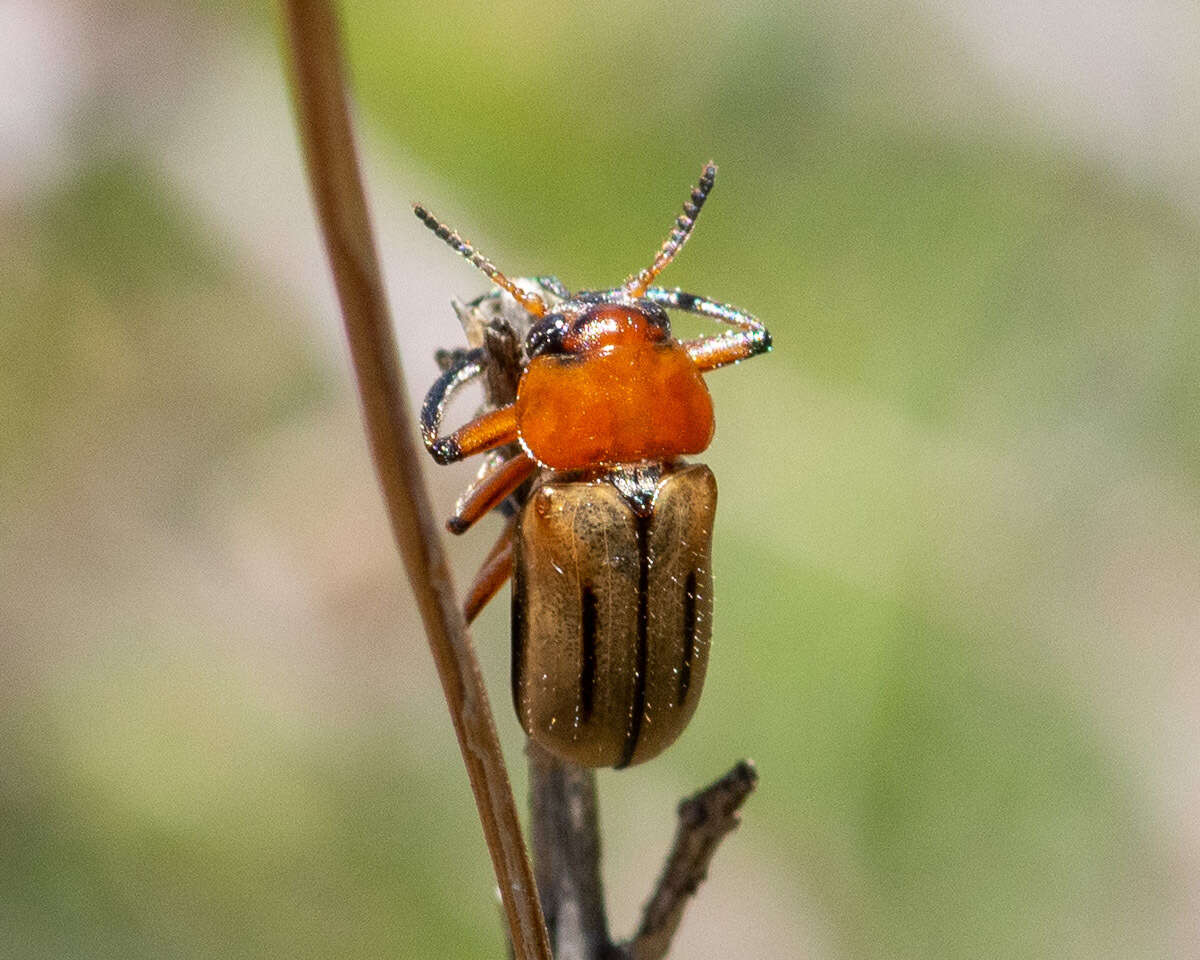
{"points": [[610, 536]]}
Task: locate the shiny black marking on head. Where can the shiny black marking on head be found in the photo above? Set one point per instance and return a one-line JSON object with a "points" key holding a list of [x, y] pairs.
{"points": [[655, 315], [587, 654], [546, 336]]}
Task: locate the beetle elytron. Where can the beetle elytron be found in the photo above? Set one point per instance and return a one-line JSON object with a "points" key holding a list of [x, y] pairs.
{"points": [[610, 542]]}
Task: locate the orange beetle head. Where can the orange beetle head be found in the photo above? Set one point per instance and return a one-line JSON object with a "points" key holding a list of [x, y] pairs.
{"points": [[588, 325]]}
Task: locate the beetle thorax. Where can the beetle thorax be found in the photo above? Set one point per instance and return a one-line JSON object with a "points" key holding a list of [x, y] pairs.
{"points": [[618, 390]]}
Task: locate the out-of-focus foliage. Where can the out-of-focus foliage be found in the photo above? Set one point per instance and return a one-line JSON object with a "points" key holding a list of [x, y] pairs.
{"points": [[958, 510]]}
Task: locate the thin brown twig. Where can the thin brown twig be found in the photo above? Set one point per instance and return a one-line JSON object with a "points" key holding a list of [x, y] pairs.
{"points": [[322, 116], [565, 834], [704, 821]]}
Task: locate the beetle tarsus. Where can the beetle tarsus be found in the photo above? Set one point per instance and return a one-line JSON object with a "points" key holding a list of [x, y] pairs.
{"points": [[445, 451]]}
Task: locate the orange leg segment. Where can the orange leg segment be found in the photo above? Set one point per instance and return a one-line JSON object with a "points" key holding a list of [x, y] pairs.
{"points": [[489, 491], [710, 353], [496, 569], [493, 429]]}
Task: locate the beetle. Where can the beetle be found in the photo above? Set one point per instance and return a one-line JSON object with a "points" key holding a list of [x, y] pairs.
{"points": [[609, 536]]}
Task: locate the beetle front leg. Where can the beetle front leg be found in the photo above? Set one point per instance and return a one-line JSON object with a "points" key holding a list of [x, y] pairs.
{"points": [[749, 340], [709, 353], [496, 570], [490, 490], [493, 429]]}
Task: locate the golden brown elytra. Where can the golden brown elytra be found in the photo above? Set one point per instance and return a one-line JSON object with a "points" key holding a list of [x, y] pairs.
{"points": [[612, 615]]}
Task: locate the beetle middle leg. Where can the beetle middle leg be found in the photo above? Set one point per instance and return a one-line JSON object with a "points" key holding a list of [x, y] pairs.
{"points": [[496, 570], [749, 340], [486, 432], [490, 491]]}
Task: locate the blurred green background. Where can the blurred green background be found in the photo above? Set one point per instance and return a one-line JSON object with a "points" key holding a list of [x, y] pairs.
{"points": [[958, 549]]}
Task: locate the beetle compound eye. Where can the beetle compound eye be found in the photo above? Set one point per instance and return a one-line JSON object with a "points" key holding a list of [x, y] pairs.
{"points": [[546, 336]]}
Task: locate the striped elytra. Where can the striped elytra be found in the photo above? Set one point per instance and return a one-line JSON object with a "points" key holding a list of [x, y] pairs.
{"points": [[612, 605]]}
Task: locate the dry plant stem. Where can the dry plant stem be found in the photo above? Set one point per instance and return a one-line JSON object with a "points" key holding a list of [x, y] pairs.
{"points": [[704, 820], [324, 123], [565, 835]]}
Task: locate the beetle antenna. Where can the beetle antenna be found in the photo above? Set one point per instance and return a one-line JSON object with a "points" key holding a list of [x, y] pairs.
{"points": [[530, 301], [636, 285]]}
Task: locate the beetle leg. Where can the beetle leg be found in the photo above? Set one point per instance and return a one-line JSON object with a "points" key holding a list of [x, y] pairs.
{"points": [[490, 491], [496, 569], [750, 339], [493, 429]]}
